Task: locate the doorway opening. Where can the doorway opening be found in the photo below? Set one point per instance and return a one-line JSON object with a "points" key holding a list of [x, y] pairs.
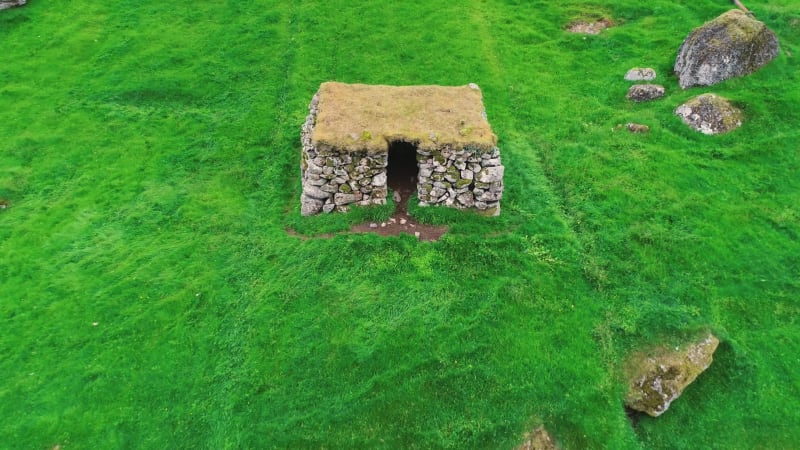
{"points": [[402, 171]]}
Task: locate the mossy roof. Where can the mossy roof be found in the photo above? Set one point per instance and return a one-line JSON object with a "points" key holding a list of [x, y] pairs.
{"points": [[357, 117]]}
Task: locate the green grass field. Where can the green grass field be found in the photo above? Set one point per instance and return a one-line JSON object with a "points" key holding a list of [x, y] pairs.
{"points": [[150, 296]]}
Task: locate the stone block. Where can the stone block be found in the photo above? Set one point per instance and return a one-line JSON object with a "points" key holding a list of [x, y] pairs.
{"points": [[491, 174]]}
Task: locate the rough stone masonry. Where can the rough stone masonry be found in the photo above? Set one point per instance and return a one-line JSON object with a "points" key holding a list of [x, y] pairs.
{"points": [[350, 128]]}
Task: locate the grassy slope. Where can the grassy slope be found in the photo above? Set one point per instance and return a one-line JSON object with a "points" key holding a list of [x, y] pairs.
{"points": [[150, 155]]}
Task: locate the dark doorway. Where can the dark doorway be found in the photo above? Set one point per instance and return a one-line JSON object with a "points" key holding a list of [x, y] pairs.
{"points": [[402, 171]]}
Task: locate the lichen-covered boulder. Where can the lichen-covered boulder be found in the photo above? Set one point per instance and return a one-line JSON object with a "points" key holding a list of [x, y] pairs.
{"points": [[645, 92], [658, 377], [710, 114], [5, 4], [538, 439], [732, 45]]}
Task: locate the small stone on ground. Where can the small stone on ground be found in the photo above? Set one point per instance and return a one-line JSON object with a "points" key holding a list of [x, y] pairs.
{"points": [[641, 74], [645, 92], [637, 127], [583, 27], [538, 439]]}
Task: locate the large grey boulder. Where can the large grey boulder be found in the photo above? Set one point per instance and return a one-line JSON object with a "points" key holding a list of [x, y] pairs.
{"points": [[732, 45], [710, 114], [658, 377], [5, 4]]}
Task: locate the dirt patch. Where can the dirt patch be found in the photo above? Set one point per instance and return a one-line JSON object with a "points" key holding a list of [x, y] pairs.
{"points": [[538, 439], [396, 225], [634, 417], [4, 204], [586, 27], [401, 222]]}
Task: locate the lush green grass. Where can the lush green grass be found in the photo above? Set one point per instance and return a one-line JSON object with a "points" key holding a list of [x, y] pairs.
{"points": [[150, 154]]}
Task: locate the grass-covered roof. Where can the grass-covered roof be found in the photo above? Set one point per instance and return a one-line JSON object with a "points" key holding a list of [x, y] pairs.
{"points": [[368, 117]]}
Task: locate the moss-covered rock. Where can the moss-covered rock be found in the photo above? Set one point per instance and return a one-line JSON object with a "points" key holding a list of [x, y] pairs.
{"points": [[645, 92], [732, 45], [710, 114], [462, 183], [659, 376], [453, 172]]}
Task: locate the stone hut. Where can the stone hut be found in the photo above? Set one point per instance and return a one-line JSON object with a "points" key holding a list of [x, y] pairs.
{"points": [[358, 138]]}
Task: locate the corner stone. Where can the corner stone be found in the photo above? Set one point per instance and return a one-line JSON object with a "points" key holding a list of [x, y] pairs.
{"points": [[491, 174], [315, 192], [345, 199], [309, 206], [379, 179]]}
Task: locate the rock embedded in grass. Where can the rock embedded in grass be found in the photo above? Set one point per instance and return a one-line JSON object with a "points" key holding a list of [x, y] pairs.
{"points": [[645, 92], [640, 74], [585, 27], [658, 377], [5, 4], [637, 128], [538, 439], [710, 114], [732, 45]]}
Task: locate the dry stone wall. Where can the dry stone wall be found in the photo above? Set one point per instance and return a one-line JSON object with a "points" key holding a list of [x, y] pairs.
{"points": [[465, 177], [461, 178], [333, 179]]}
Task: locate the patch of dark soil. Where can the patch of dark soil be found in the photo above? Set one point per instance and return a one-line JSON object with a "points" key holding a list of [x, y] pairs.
{"points": [[584, 27], [401, 223], [402, 172], [633, 416], [4, 204], [291, 232], [398, 224]]}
